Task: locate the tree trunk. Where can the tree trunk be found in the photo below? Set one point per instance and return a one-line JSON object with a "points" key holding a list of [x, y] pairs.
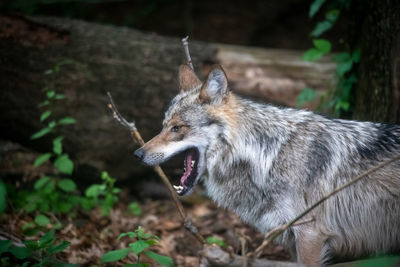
{"points": [[140, 72], [377, 96]]}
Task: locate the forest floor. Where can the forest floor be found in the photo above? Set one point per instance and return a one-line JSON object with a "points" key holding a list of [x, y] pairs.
{"points": [[91, 235]]}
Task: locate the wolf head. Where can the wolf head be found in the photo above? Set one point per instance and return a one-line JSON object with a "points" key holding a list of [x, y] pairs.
{"points": [[192, 122]]}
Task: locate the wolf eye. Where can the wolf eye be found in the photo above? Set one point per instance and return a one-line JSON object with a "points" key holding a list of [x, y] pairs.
{"points": [[175, 128]]}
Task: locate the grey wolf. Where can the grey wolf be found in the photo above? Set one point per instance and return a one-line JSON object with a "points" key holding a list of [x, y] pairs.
{"points": [[268, 164]]}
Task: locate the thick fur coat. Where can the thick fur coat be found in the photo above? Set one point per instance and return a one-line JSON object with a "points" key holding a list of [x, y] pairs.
{"points": [[268, 164]]}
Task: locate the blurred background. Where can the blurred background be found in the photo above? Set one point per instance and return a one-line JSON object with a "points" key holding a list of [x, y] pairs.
{"points": [[58, 139]]}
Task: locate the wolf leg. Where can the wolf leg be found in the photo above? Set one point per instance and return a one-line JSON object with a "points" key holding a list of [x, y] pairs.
{"points": [[309, 246]]}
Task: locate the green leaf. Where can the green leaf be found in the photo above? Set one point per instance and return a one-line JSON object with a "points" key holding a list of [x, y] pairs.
{"points": [[67, 120], [57, 145], [4, 246], [41, 133], [135, 209], [65, 207], [321, 27], [344, 67], [64, 164], [52, 124], [312, 55], [315, 6], [30, 207], [151, 242], [59, 96], [47, 239], [47, 72], [57, 226], [45, 115], [49, 187], [58, 248], [20, 252], [28, 226], [214, 240], [138, 246], [306, 95], [50, 94], [322, 45], [342, 105], [42, 220], [32, 244], [44, 103], [130, 234], [67, 185], [160, 259], [105, 176], [3, 197], [382, 261], [115, 255], [345, 56], [42, 159], [93, 191], [87, 204], [41, 182], [332, 15], [356, 56]]}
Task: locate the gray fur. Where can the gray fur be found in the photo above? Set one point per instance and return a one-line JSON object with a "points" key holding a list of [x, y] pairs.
{"points": [[276, 162]]}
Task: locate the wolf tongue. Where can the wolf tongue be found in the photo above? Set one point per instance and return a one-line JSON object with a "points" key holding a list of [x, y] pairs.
{"points": [[188, 162]]}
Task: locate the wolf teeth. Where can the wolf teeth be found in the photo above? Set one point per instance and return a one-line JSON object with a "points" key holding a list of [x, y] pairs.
{"points": [[192, 163], [178, 188]]}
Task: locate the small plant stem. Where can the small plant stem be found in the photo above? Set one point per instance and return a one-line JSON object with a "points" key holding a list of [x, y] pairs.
{"points": [[137, 137], [274, 233]]}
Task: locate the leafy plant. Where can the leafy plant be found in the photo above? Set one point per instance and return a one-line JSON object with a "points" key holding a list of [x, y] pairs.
{"points": [[105, 194], [144, 241], [3, 197], [215, 240], [135, 209], [340, 100], [45, 248]]}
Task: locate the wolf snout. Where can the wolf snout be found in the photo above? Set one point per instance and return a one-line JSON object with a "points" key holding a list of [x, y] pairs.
{"points": [[139, 154]]}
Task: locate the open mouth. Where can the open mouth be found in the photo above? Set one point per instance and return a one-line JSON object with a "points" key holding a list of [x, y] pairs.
{"points": [[189, 177]]}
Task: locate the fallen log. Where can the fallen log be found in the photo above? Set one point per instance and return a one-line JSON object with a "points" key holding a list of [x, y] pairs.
{"points": [[139, 69]]}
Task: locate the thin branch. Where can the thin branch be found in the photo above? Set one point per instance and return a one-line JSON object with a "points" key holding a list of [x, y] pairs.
{"points": [[185, 44], [137, 137], [274, 233]]}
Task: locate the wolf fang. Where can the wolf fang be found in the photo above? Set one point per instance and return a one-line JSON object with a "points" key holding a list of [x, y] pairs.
{"points": [[267, 164]]}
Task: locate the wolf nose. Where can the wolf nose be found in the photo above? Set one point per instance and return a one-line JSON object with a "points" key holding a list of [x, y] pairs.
{"points": [[139, 153]]}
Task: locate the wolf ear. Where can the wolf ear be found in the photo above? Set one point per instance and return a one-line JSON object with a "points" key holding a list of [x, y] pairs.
{"points": [[215, 89], [187, 78]]}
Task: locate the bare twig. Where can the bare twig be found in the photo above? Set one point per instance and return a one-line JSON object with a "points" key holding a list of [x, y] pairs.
{"points": [[244, 256], [274, 233], [137, 137], [187, 53]]}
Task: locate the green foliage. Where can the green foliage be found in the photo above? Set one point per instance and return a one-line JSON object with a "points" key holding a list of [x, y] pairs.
{"points": [[45, 247], [381, 261], [144, 241], [3, 197], [321, 48], [344, 75], [42, 220], [306, 95], [215, 240], [315, 6], [64, 164], [105, 194], [135, 209]]}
